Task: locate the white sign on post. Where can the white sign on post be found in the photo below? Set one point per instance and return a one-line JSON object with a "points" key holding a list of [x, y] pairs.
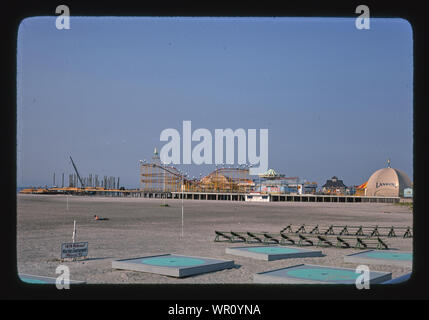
{"points": [[74, 250]]}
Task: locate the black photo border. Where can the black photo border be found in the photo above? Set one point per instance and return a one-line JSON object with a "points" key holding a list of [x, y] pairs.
{"points": [[13, 289]]}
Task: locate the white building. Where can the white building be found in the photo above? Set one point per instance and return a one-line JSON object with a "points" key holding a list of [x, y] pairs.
{"points": [[257, 197]]}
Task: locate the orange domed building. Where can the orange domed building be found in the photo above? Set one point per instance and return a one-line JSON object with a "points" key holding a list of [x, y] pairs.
{"points": [[386, 182]]}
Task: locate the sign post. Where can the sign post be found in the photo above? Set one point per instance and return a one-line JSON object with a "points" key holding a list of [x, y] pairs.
{"points": [[74, 230], [74, 249]]}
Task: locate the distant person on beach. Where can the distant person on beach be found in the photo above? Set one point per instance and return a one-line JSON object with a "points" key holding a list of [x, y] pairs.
{"points": [[98, 218]]}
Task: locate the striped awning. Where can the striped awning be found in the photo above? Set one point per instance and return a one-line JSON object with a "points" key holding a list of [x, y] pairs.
{"points": [[362, 186]]}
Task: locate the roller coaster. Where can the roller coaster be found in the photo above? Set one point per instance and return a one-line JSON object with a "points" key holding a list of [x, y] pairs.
{"points": [[155, 177]]}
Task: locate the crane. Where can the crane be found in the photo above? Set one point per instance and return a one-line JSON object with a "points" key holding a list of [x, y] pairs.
{"points": [[75, 169]]}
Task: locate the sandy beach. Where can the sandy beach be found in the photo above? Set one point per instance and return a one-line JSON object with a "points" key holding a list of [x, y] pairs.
{"points": [[139, 227]]}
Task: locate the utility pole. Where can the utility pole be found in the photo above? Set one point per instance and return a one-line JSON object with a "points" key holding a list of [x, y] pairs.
{"points": [[164, 196], [182, 203]]}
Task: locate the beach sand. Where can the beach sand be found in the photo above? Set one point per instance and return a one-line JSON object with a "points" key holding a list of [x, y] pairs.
{"points": [[138, 227]]}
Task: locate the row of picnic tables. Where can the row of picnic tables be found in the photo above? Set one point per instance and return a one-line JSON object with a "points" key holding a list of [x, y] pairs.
{"points": [[302, 239], [329, 236], [369, 231]]}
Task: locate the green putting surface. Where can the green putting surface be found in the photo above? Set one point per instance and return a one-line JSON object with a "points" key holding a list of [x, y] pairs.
{"points": [[272, 250], [173, 261], [393, 257], [173, 265], [323, 274], [34, 281], [270, 253], [405, 256], [309, 274]]}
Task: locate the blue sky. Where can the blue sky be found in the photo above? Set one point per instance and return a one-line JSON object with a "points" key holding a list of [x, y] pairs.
{"points": [[336, 100]]}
